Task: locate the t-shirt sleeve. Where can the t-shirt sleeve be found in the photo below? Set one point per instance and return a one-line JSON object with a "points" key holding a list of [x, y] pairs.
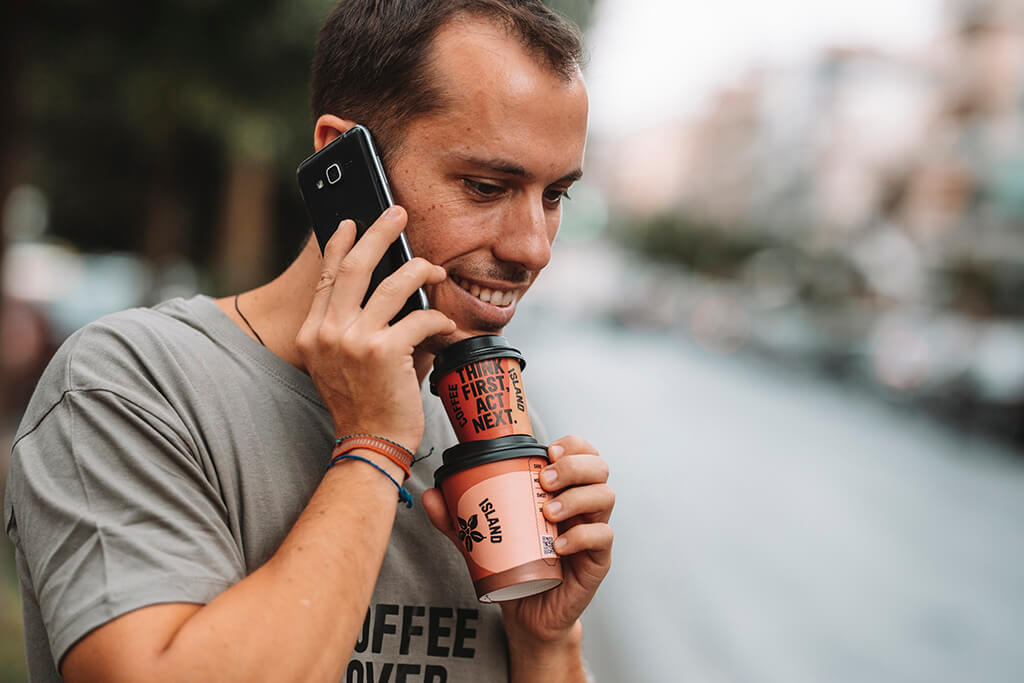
{"points": [[112, 513]]}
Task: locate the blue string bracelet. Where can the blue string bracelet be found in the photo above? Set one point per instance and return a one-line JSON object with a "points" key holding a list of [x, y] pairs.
{"points": [[403, 493]]}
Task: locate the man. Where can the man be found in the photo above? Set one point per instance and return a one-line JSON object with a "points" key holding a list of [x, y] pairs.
{"points": [[168, 497]]}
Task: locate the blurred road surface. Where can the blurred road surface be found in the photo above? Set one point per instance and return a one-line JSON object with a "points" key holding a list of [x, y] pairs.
{"points": [[772, 527]]}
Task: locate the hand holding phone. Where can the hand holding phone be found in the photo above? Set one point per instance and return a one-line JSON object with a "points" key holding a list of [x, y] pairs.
{"points": [[361, 363], [345, 180]]}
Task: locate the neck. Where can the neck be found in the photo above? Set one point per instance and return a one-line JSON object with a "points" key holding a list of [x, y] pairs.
{"points": [[277, 309]]}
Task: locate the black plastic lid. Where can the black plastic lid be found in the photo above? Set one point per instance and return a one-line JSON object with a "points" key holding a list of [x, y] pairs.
{"points": [[469, 351], [474, 453]]}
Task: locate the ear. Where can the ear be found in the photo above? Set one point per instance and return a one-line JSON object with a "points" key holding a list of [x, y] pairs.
{"points": [[328, 127]]}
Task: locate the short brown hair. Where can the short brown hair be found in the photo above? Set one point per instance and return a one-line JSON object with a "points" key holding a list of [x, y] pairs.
{"points": [[372, 61]]}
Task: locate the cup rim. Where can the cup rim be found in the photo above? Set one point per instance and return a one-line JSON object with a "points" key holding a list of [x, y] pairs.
{"points": [[463, 456], [471, 350]]}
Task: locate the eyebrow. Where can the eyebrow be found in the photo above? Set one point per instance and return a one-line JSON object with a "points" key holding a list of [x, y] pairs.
{"points": [[510, 168]]}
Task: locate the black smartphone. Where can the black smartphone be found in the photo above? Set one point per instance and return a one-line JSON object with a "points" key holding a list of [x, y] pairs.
{"points": [[345, 179]]}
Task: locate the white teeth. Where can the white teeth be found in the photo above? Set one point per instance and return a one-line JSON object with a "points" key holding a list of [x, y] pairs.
{"points": [[494, 297]]}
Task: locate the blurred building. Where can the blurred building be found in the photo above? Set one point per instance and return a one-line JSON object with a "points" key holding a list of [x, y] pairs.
{"points": [[856, 142], [862, 210]]}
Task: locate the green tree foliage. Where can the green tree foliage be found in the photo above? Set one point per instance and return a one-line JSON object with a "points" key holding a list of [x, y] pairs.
{"points": [[125, 102]]}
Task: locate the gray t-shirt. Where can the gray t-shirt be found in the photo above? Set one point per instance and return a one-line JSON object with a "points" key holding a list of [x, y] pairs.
{"points": [[165, 455]]}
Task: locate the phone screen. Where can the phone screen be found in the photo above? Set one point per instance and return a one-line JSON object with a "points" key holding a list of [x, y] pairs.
{"points": [[345, 180]]}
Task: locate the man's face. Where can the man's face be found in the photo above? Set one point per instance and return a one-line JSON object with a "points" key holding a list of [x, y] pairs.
{"points": [[483, 181]]}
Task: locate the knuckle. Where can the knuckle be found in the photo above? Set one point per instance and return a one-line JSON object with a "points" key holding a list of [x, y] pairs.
{"points": [[388, 287], [303, 342], [377, 347], [326, 281], [349, 265], [416, 269]]}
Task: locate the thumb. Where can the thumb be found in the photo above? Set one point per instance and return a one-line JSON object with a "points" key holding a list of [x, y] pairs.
{"points": [[437, 512]]}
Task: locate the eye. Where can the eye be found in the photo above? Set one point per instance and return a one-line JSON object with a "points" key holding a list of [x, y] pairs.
{"points": [[485, 190], [555, 196]]}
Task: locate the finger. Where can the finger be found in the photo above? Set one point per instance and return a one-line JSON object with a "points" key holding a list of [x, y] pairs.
{"points": [[413, 329], [356, 268], [337, 248], [595, 502], [391, 294], [574, 470], [437, 513], [594, 538], [570, 445]]}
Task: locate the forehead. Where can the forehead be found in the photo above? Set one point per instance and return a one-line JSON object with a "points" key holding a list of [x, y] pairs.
{"points": [[503, 100]]}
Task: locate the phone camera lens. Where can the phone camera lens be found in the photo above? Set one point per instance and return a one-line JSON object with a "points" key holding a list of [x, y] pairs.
{"points": [[333, 173]]}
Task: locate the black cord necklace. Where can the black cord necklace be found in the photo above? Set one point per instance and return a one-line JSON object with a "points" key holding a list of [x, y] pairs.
{"points": [[246, 320]]}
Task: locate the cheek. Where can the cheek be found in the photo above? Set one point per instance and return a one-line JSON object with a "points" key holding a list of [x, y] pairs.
{"points": [[439, 231], [424, 217]]}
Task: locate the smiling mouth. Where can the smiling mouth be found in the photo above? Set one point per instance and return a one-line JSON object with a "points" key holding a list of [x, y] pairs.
{"points": [[495, 297]]}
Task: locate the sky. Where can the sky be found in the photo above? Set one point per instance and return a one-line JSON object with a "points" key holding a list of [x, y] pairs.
{"points": [[656, 60]]}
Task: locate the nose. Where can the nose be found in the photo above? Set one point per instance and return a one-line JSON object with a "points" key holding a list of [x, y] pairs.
{"points": [[527, 234]]}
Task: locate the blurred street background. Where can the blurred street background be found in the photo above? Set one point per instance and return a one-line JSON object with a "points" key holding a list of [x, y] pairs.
{"points": [[786, 301]]}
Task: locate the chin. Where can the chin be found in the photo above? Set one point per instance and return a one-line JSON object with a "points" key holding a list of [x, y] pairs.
{"points": [[437, 342]]}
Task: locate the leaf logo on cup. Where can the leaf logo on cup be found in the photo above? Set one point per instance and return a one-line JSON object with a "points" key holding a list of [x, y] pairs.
{"points": [[468, 533]]}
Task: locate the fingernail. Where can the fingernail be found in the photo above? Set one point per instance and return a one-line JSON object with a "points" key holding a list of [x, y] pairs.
{"points": [[561, 543], [554, 508], [556, 450], [549, 476], [392, 213]]}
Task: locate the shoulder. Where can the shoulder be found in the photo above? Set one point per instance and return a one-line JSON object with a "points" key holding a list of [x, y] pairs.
{"points": [[129, 353]]}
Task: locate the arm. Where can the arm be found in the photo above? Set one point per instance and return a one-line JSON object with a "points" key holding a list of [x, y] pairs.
{"points": [[544, 631], [298, 616]]}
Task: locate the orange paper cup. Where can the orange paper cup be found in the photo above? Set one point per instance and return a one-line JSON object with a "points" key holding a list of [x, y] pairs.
{"points": [[480, 382], [494, 499]]}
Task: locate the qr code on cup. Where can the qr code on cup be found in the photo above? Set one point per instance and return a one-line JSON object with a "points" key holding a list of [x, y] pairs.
{"points": [[547, 546]]}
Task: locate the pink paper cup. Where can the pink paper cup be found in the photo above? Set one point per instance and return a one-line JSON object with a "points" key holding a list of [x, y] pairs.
{"points": [[494, 499]]}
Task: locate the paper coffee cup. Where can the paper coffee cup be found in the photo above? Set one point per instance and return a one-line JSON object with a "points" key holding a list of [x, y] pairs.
{"points": [[480, 382], [494, 498]]}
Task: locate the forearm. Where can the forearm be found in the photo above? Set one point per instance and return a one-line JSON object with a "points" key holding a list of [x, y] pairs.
{"points": [[560, 660], [298, 616]]}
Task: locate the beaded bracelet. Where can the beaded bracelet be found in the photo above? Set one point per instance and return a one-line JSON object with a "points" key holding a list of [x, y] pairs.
{"points": [[403, 493]]}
